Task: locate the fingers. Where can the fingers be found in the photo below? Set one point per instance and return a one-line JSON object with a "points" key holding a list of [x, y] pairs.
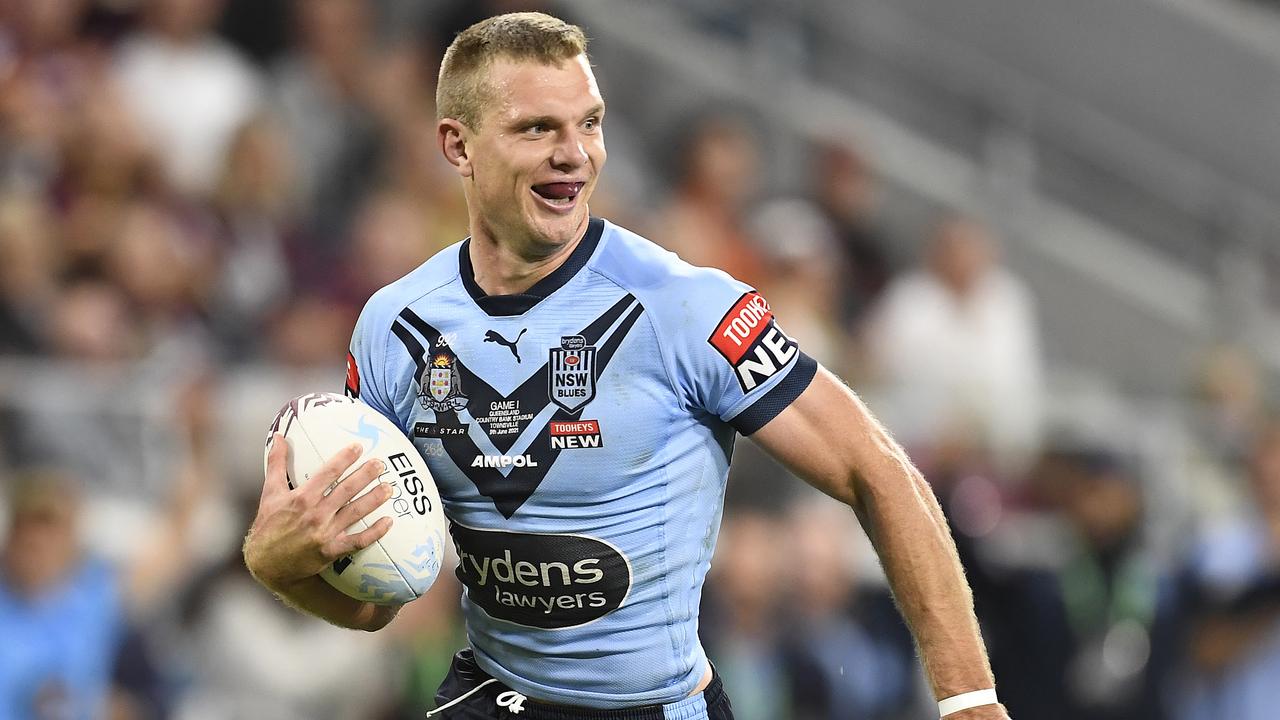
{"points": [[276, 471], [353, 484], [362, 505], [348, 543], [329, 477]]}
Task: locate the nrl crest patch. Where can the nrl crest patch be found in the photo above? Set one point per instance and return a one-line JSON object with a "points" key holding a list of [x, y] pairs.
{"points": [[572, 376], [441, 386]]}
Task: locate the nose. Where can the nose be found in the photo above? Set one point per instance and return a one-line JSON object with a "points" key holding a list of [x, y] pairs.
{"points": [[569, 152]]}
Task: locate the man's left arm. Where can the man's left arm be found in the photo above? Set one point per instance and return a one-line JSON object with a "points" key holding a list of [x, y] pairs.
{"points": [[829, 438]]}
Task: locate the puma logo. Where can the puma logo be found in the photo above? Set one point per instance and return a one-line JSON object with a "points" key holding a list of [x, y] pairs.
{"points": [[493, 337]]}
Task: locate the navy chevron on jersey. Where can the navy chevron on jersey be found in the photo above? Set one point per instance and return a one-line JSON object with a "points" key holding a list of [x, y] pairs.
{"points": [[580, 434]]}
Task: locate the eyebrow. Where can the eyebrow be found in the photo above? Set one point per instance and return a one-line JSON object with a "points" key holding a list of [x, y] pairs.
{"points": [[527, 122]]}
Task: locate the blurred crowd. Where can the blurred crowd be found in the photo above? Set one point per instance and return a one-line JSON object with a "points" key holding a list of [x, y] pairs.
{"points": [[194, 190]]}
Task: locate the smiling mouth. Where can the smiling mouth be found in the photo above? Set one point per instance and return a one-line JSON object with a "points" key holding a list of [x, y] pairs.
{"points": [[559, 194]]}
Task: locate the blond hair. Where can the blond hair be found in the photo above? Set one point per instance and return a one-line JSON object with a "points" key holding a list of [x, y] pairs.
{"points": [[463, 90]]}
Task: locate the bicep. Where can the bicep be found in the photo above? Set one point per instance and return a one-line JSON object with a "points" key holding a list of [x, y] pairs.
{"points": [[829, 438]]}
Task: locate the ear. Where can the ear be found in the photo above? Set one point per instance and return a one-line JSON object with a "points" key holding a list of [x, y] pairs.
{"points": [[452, 137]]}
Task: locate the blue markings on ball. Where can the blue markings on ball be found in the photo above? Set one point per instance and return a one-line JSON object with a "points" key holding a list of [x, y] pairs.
{"points": [[379, 589], [421, 570], [366, 430]]}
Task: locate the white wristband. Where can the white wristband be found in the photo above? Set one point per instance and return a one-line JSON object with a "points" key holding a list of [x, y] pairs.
{"points": [[964, 701]]}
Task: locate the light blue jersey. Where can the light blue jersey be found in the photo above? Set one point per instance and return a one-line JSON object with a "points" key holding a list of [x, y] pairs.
{"points": [[580, 434]]}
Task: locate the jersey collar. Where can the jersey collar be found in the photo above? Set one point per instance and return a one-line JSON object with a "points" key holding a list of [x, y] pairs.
{"points": [[520, 303]]}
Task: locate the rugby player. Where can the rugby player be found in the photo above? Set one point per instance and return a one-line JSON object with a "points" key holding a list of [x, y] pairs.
{"points": [[576, 391]]}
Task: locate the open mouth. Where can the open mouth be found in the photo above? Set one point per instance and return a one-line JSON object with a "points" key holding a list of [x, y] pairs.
{"points": [[559, 194]]}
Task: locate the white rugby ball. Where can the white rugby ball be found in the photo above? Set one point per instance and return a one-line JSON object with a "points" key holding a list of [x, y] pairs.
{"points": [[403, 564]]}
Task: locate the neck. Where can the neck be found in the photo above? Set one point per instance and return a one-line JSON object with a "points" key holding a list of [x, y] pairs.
{"points": [[510, 268]]}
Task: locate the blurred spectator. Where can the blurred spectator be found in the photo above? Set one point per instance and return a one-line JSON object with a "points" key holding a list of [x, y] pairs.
{"points": [[32, 124], [847, 196], [389, 238], [61, 613], [320, 89], [418, 172], [71, 649], [28, 270], [1234, 573], [310, 331], [803, 284], [400, 84], [1095, 636], [1230, 411], [162, 263], [90, 322], [40, 30], [188, 88], [704, 221], [1231, 387], [956, 345], [848, 652], [40, 43], [89, 327], [256, 658], [257, 222], [740, 619], [107, 163]]}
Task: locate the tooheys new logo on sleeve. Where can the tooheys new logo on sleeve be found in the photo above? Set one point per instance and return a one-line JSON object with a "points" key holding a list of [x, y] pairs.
{"points": [[750, 339], [353, 377]]}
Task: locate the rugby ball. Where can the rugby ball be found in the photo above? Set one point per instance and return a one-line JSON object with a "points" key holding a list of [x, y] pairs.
{"points": [[403, 564]]}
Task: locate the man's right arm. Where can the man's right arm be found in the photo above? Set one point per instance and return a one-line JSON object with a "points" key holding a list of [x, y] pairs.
{"points": [[299, 532], [314, 596], [829, 438]]}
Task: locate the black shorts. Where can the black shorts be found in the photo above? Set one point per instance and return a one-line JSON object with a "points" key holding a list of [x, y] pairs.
{"points": [[469, 693]]}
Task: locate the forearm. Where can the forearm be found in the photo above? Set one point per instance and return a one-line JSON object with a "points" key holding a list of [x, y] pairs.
{"points": [[314, 596], [906, 525]]}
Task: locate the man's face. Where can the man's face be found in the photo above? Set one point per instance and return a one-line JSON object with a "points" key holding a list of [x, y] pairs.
{"points": [[534, 161], [41, 546]]}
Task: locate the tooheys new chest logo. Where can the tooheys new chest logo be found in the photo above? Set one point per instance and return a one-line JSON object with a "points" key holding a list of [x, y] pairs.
{"points": [[750, 339], [572, 377]]}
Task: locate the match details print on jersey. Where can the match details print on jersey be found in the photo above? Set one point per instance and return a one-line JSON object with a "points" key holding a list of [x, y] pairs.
{"points": [[506, 444]]}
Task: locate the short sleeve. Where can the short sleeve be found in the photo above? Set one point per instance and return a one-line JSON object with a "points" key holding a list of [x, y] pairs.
{"points": [[366, 362], [733, 359]]}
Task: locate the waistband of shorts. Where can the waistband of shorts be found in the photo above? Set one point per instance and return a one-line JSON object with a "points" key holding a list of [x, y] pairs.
{"points": [[693, 707]]}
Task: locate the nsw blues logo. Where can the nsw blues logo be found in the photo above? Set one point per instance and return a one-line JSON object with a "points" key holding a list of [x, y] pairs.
{"points": [[572, 376], [441, 387]]}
